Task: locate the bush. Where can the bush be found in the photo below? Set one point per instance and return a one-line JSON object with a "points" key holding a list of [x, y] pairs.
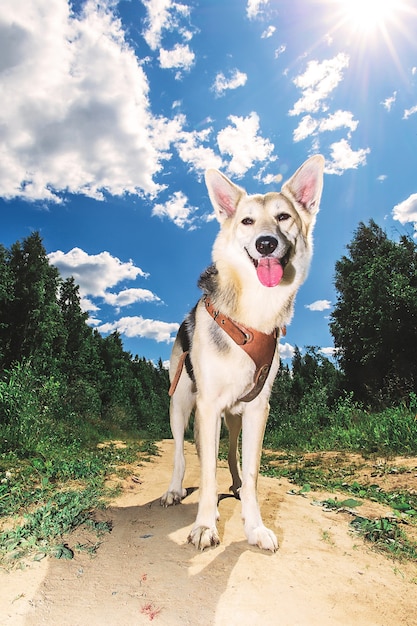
{"points": [[39, 414], [347, 427]]}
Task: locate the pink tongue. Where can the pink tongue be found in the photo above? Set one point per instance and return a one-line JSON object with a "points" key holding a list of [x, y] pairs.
{"points": [[269, 271]]}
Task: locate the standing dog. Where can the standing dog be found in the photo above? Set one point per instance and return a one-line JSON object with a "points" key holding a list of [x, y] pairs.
{"points": [[225, 357]]}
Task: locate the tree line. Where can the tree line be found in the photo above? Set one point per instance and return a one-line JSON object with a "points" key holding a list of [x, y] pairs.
{"points": [[59, 376], [55, 370], [374, 328]]}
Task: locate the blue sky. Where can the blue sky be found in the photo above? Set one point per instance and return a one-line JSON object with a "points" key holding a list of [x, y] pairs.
{"points": [[111, 111]]}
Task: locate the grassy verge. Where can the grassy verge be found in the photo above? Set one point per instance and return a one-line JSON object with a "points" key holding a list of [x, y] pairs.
{"points": [[394, 533], [42, 500], [347, 426]]}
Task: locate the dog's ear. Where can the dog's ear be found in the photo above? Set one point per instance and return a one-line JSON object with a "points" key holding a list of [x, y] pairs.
{"points": [[224, 194], [306, 185]]}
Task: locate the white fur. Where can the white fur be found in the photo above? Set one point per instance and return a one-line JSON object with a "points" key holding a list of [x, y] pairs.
{"points": [[223, 376]]}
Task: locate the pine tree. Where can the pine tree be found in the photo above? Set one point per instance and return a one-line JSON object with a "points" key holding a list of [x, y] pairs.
{"points": [[32, 314], [6, 295]]}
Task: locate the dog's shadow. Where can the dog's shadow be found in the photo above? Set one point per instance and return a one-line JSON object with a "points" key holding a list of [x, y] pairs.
{"points": [[203, 574], [146, 563]]}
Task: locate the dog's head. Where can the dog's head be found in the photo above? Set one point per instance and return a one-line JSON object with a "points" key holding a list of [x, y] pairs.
{"points": [[268, 232]]}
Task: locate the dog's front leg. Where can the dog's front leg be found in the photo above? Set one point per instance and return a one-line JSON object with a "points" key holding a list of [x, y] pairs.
{"points": [[207, 424], [253, 428], [182, 403]]}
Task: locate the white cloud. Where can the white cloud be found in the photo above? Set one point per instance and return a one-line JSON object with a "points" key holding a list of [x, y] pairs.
{"points": [[75, 114], [165, 132], [177, 209], [310, 126], [340, 119], [137, 326], [191, 150], [180, 57], [381, 178], [319, 305], [88, 305], [280, 50], [389, 102], [344, 158], [406, 211], [268, 32], [94, 273], [235, 80], [130, 296], [253, 8], [330, 351], [409, 112], [286, 351], [242, 142], [318, 82], [163, 15], [414, 71]]}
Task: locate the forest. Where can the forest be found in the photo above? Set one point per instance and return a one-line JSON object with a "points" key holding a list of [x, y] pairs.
{"points": [[64, 385]]}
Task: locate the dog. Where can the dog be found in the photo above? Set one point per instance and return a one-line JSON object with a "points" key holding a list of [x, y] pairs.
{"points": [[225, 356]]}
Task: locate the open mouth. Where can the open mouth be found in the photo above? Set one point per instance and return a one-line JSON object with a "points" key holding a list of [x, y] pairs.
{"points": [[269, 269]]}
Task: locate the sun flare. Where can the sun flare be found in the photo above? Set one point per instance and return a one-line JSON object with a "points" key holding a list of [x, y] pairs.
{"points": [[366, 16]]}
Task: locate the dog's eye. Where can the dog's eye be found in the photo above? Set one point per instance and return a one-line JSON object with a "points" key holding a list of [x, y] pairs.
{"points": [[283, 216], [248, 221]]}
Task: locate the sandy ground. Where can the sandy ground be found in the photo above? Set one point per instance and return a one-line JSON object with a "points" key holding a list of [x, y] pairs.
{"points": [[145, 571]]}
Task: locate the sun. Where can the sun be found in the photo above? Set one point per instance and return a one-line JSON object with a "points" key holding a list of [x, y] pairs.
{"points": [[367, 16]]}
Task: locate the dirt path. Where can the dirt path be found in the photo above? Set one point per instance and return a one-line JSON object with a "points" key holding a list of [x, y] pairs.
{"points": [[145, 571]]}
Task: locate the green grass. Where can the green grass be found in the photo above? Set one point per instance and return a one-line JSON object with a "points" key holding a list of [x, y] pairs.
{"points": [[385, 533], [45, 499], [348, 426], [387, 536]]}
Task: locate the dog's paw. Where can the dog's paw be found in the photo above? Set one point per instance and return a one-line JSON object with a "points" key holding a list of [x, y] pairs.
{"points": [[264, 538], [172, 497], [203, 537]]}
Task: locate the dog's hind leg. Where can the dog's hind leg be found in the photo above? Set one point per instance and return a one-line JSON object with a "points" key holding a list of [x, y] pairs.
{"points": [[182, 403], [234, 425], [254, 421]]}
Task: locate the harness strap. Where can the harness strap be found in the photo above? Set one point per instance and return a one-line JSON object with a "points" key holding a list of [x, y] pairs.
{"points": [[259, 346], [176, 378]]}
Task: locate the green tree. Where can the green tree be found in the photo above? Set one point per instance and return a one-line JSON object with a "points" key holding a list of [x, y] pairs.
{"points": [[310, 387], [79, 358], [32, 314], [6, 295], [374, 322], [54, 369]]}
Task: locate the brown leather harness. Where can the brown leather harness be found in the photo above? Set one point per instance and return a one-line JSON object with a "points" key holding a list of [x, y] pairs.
{"points": [[259, 346]]}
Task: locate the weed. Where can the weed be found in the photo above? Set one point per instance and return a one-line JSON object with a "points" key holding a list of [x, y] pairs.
{"points": [[347, 426], [386, 535], [312, 473], [149, 448], [89, 548], [327, 538], [54, 495]]}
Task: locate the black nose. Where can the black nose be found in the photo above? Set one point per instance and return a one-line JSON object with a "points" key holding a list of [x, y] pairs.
{"points": [[266, 245]]}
